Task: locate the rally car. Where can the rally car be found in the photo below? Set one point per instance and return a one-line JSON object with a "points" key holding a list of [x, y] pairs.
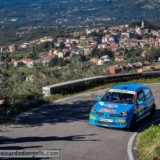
{"points": [[123, 106]]}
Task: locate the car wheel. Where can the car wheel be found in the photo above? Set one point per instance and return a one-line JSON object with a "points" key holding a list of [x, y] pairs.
{"points": [[133, 124], [153, 111]]}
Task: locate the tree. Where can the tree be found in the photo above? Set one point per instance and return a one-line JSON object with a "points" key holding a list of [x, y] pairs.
{"points": [[8, 85], [98, 53], [45, 46], [154, 54], [5, 57], [33, 53], [95, 52], [62, 45]]}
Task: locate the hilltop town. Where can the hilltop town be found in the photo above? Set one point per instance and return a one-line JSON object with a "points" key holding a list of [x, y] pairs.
{"points": [[100, 46]]}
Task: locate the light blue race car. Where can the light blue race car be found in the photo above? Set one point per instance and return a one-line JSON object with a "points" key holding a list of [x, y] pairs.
{"points": [[123, 106]]}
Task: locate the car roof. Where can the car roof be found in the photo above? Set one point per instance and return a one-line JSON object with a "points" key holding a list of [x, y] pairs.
{"points": [[129, 87]]}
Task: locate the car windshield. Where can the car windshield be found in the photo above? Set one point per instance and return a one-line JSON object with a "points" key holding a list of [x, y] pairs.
{"points": [[119, 97]]}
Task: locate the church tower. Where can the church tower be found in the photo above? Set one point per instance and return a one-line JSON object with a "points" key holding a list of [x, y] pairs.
{"points": [[142, 25]]}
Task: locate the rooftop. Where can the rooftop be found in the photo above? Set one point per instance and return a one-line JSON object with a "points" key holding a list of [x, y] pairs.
{"points": [[129, 87]]}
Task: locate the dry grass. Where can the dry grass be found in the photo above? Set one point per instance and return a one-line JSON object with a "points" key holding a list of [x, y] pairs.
{"points": [[148, 144]]}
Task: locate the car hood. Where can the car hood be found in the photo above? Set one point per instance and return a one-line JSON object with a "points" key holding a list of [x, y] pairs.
{"points": [[111, 107]]}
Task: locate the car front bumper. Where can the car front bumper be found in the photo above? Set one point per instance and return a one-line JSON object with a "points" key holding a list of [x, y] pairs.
{"points": [[118, 122]]}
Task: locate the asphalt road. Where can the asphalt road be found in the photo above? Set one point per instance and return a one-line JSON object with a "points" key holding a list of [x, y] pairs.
{"points": [[64, 125]]}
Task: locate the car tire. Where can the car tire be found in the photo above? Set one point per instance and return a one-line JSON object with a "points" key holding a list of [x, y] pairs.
{"points": [[133, 124], [153, 111]]}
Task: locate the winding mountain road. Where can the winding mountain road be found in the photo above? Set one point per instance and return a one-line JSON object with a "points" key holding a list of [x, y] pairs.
{"points": [[64, 125]]}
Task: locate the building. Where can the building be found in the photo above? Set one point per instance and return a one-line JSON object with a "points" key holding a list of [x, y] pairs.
{"points": [[26, 60], [142, 24], [94, 60], [30, 78], [17, 63], [12, 48], [137, 65], [146, 63], [144, 69], [46, 39], [3, 49], [2, 102], [156, 67], [127, 67], [115, 70], [30, 64], [24, 45], [119, 58], [58, 54]]}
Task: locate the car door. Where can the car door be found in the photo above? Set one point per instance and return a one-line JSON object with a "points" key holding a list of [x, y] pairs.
{"points": [[141, 104], [149, 100]]}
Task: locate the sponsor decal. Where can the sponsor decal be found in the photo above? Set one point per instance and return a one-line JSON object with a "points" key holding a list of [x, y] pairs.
{"points": [[108, 105], [112, 111], [102, 109], [106, 120], [112, 105], [122, 121], [92, 117], [107, 110], [122, 91]]}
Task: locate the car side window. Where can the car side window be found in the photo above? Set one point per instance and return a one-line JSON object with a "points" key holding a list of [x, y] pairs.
{"points": [[148, 93], [140, 96]]}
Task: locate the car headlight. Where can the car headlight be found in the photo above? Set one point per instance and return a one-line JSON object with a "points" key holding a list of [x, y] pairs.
{"points": [[124, 114], [93, 110]]}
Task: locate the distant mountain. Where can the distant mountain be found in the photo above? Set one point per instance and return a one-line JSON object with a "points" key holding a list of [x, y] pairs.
{"points": [[74, 13]]}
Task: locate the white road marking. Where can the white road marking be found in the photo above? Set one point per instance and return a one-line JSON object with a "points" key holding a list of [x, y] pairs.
{"points": [[132, 138], [130, 146]]}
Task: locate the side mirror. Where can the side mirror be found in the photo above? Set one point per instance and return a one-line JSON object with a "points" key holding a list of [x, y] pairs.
{"points": [[140, 103], [99, 98]]}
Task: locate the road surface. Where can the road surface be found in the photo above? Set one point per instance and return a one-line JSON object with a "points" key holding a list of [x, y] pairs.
{"points": [[64, 125]]}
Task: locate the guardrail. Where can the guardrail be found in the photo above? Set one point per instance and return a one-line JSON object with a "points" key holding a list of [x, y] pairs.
{"points": [[86, 83]]}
